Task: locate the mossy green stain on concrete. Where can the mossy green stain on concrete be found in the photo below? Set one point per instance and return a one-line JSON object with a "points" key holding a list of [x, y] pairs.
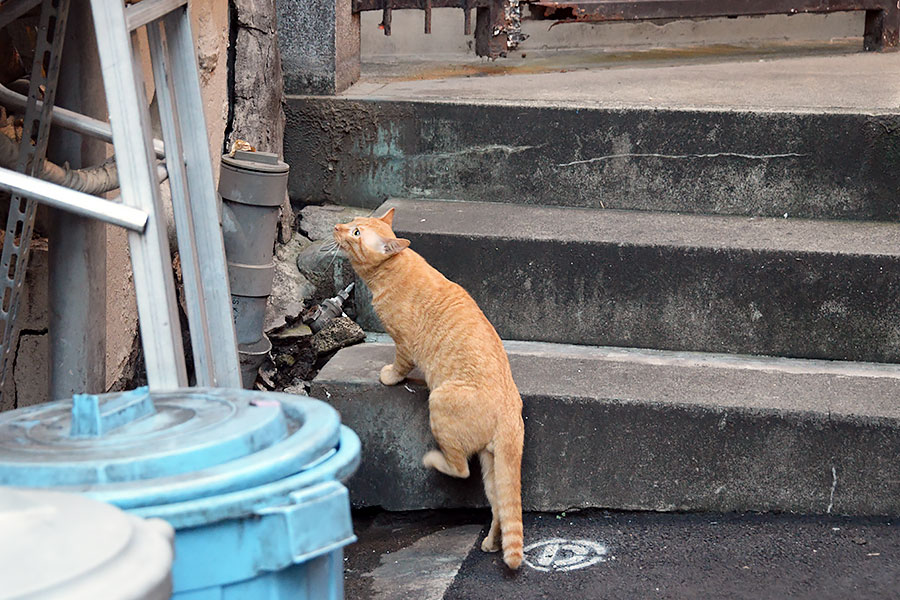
{"points": [[815, 165]]}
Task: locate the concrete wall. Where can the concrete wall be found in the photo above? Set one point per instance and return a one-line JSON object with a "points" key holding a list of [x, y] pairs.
{"points": [[447, 40]]}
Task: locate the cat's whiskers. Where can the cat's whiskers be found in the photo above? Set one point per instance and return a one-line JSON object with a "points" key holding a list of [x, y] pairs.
{"points": [[333, 256]]}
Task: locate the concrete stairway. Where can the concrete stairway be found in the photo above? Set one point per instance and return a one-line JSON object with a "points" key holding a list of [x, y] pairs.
{"points": [[730, 355]]}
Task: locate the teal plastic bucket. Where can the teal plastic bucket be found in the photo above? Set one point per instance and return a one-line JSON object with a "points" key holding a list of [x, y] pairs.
{"points": [[251, 481]]}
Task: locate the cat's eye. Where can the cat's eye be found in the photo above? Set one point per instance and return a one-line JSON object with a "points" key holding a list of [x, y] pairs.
{"points": [[356, 232]]}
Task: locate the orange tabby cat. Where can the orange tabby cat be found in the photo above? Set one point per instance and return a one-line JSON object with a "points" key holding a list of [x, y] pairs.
{"points": [[474, 404]]}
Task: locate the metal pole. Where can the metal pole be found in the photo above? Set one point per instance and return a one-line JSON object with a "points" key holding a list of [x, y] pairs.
{"points": [[77, 283], [71, 119], [72, 201]]}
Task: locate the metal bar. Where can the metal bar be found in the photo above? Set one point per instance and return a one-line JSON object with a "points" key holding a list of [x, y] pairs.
{"points": [[184, 223], [490, 30], [467, 17], [72, 201], [652, 9], [366, 5], [77, 252], [146, 11], [386, 16], [882, 29], [204, 201], [51, 34], [72, 120], [621, 10], [150, 257], [13, 9]]}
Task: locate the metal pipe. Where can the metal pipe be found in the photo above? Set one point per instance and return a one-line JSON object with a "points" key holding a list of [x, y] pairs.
{"points": [[77, 253], [67, 199], [252, 186], [72, 120], [13, 9]]}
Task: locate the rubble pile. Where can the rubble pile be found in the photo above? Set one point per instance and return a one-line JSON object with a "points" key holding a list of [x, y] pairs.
{"points": [[305, 324]]}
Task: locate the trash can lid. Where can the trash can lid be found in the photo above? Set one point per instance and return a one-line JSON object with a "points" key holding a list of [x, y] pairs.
{"points": [[138, 448], [260, 162], [55, 545]]}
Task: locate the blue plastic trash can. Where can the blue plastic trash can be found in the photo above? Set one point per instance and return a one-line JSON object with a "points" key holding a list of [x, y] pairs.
{"points": [[249, 480], [68, 547]]}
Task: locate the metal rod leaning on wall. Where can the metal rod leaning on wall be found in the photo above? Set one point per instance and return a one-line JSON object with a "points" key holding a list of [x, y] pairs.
{"points": [[13, 9], [72, 120], [69, 200]]}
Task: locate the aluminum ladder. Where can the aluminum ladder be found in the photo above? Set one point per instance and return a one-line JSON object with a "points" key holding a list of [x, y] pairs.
{"points": [[194, 199]]}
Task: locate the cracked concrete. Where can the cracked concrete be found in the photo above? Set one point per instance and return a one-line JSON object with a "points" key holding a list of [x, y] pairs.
{"points": [[681, 156], [812, 137], [834, 482]]}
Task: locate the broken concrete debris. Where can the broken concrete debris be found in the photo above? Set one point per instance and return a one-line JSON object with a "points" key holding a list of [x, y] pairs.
{"points": [[317, 222], [297, 354], [336, 334], [305, 318], [320, 267], [290, 288]]}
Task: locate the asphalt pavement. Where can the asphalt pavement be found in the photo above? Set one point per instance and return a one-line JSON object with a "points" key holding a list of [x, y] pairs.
{"points": [[596, 554]]}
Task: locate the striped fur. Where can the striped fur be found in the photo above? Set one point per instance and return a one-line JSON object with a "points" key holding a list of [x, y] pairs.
{"points": [[474, 405]]}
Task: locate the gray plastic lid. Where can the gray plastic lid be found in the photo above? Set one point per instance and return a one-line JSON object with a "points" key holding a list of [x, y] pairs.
{"points": [[266, 162], [55, 545]]}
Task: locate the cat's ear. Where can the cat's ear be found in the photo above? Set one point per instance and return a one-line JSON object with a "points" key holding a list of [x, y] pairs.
{"points": [[395, 245], [388, 217]]}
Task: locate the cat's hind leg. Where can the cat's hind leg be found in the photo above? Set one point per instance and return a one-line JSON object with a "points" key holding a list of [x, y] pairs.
{"points": [[453, 457], [396, 372], [448, 463], [491, 542]]}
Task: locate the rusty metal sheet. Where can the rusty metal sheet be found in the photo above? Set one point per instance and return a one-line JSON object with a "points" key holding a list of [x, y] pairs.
{"points": [[361, 5], [617, 10]]}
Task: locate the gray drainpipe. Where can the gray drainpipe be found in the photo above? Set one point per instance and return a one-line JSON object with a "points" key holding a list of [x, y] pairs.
{"points": [[252, 186]]}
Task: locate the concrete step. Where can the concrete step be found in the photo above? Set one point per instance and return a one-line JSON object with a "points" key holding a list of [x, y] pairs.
{"points": [[780, 287], [646, 430], [807, 136]]}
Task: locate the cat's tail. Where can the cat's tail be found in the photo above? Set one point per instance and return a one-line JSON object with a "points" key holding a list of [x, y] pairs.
{"points": [[508, 482]]}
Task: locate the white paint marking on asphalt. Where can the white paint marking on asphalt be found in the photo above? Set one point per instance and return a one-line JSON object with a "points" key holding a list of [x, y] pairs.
{"points": [[833, 486], [564, 555]]}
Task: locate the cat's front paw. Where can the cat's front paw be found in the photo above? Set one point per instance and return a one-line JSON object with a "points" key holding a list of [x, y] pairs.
{"points": [[389, 376]]}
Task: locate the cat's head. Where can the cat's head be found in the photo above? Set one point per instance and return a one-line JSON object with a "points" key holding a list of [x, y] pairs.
{"points": [[368, 240]]}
